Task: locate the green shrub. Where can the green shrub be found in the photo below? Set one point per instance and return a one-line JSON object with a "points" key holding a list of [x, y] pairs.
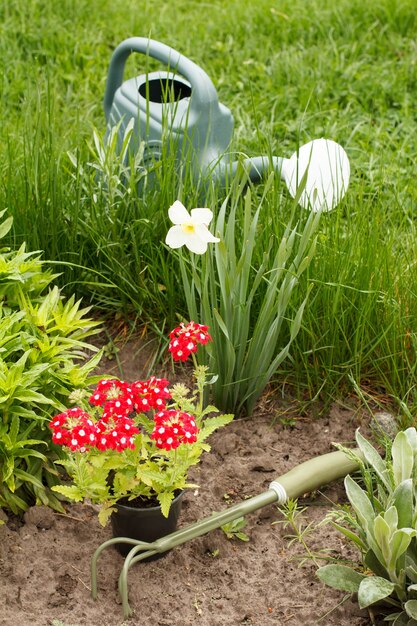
{"points": [[383, 527], [42, 339]]}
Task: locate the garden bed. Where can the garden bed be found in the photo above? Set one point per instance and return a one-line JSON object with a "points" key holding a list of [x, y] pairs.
{"points": [[213, 580]]}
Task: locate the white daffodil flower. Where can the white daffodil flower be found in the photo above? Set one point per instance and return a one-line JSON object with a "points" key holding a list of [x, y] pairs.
{"points": [[189, 229]]}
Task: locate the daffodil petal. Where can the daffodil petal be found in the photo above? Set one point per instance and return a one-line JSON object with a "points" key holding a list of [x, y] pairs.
{"points": [[178, 214], [195, 244], [176, 237], [203, 232], [201, 216]]}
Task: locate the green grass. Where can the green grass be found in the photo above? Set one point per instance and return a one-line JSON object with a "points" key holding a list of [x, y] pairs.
{"points": [[289, 72]]}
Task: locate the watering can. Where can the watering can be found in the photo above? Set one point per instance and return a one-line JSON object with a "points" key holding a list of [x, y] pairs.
{"points": [[178, 109]]}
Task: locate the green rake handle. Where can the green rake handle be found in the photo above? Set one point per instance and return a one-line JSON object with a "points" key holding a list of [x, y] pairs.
{"points": [[302, 479]]}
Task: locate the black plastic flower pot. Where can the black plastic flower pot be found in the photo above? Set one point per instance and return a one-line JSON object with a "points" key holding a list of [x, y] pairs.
{"points": [[144, 523]]}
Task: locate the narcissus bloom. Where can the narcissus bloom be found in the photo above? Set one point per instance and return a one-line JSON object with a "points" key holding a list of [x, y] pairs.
{"points": [[190, 230]]}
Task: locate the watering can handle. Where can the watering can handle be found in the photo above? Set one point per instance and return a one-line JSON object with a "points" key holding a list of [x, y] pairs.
{"points": [[204, 92]]}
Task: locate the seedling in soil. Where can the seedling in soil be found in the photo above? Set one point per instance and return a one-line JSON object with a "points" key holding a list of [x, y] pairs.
{"points": [[233, 529]]}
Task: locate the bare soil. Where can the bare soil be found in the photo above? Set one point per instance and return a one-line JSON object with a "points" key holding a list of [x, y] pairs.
{"points": [[212, 580]]}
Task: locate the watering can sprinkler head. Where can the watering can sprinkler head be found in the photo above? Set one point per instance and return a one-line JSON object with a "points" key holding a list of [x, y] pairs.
{"points": [[321, 168], [178, 110]]}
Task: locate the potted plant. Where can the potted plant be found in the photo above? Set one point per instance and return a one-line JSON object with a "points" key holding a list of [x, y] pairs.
{"points": [[130, 445]]}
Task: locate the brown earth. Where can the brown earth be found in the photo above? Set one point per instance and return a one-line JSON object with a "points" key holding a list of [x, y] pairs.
{"points": [[212, 580]]}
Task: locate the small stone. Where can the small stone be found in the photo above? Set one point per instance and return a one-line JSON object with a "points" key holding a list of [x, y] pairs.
{"points": [[387, 422]]}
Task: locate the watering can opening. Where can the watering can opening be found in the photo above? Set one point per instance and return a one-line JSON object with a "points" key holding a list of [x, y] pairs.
{"points": [[184, 102], [170, 90]]}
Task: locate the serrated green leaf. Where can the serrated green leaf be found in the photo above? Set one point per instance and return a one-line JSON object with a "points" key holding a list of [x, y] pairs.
{"points": [[340, 577], [209, 409], [372, 589], [165, 498], [71, 492], [104, 514], [211, 424]]}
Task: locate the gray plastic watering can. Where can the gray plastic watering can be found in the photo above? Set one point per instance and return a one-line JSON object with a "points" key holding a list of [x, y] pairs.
{"points": [[179, 110]]}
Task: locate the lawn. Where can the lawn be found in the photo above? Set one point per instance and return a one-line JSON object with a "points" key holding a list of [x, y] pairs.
{"points": [[289, 73]]}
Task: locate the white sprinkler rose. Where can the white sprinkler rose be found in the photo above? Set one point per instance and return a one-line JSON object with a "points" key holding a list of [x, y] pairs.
{"points": [[328, 172], [189, 229]]}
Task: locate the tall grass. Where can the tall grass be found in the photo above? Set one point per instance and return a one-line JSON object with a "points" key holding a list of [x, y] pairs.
{"points": [[289, 73]]}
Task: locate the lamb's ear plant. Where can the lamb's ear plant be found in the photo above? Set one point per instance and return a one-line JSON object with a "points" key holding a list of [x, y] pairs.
{"points": [[245, 303], [382, 525], [42, 338]]}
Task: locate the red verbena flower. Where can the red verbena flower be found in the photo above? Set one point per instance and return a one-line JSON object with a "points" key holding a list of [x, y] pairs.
{"points": [[115, 396], [185, 339], [172, 428], [73, 428], [150, 394], [116, 433]]}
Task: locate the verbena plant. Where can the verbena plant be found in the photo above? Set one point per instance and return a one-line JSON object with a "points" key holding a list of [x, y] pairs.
{"points": [[382, 525], [42, 339], [245, 301]]}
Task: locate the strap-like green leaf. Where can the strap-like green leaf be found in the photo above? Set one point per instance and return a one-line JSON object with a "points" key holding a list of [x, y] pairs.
{"points": [[374, 459], [402, 458]]}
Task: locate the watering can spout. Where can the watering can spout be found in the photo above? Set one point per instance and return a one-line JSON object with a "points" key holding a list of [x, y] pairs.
{"points": [[255, 167], [179, 109]]}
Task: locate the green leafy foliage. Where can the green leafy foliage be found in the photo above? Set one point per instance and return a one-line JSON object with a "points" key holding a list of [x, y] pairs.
{"points": [[383, 526], [42, 338], [233, 529], [106, 476]]}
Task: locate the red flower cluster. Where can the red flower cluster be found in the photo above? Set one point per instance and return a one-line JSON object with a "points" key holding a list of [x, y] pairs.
{"points": [[150, 394], [173, 428], [115, 396], [116, 433], [75, 429], [185, 339], [119, 400]]}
